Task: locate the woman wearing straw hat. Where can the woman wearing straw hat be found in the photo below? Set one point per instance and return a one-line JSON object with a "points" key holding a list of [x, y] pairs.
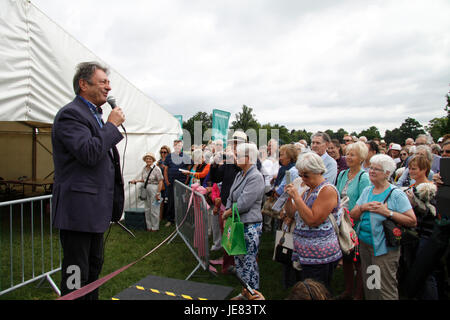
{"points": [[153, 174]]}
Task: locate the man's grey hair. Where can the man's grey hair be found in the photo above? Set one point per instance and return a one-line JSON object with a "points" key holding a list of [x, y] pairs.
{"points": [[428, 138], [324, 136], [427, 150], [84, 71]]}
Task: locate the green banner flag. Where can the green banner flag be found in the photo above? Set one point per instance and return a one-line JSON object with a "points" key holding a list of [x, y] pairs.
{"points": [[180, 119], [220, 125]]}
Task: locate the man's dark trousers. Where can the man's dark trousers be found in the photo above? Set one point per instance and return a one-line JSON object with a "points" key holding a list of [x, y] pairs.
{"points": [[83, 250]]}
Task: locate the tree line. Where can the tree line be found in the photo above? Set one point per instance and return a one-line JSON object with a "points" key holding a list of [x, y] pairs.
{"points": [[410, 128]]}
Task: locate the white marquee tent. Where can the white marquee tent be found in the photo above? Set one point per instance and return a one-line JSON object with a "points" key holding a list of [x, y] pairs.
{"points": [[37, 64]]}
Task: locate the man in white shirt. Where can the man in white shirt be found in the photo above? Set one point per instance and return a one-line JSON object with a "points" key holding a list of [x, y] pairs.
{"points": [[269, 169], [270, 165], [319, 144]]}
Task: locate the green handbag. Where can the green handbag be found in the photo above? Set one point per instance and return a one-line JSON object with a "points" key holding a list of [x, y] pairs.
{"points": [[233, 240]]}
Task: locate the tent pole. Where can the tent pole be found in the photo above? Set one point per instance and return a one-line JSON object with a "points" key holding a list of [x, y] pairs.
{"points": [[33, 167]]}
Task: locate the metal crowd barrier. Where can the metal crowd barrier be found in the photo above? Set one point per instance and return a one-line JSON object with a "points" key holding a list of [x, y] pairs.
{"points": [[191, 220], [29, 246]]}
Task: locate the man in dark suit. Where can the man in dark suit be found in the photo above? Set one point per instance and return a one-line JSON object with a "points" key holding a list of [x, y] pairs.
{"points": [[88, 188]]}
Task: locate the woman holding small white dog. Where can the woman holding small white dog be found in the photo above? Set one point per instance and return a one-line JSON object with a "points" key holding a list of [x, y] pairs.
{"points": [[376, 204], [422, 194]]}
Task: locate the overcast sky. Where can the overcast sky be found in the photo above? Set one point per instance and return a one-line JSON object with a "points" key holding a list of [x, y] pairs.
{"points": [[311, 65]]}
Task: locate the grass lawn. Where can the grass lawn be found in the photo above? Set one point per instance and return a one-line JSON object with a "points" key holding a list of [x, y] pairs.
{"points": [[172, 260]]}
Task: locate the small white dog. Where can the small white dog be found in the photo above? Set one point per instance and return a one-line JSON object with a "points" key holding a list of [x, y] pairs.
{"points": [[425, 192]]}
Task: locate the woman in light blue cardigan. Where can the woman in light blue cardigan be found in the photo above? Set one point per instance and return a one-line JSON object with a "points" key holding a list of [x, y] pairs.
{"points": [[350, 183], [377, 203]]}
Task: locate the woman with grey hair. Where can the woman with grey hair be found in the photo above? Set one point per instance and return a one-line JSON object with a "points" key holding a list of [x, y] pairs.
{"points": [[377, 203], [247, 192], [316, 245]]}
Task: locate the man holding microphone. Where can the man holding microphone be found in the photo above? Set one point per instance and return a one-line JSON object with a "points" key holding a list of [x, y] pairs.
{"points": [[88, 186]]}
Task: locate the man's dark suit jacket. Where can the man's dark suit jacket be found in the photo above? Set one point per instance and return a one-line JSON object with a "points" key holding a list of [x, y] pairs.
{"points": [[88, 186]]}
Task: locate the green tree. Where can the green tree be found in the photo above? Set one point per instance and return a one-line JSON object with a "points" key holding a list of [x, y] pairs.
{"points": [[437, 127], [371, 133], [283, 135], [297, 135], [340, 135], [447, 108], [394, 135], [204, 118], [410, 128], [330, 133], [245, 120]]}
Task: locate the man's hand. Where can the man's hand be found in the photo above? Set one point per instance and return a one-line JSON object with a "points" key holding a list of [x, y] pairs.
{"points": [[116, 117]]}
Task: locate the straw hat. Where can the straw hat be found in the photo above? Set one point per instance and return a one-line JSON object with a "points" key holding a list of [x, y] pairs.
{"points": [[149, 154], [238, 136]]}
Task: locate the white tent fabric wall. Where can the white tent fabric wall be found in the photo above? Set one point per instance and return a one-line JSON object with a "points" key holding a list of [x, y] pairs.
{"points": [[37, 64]]}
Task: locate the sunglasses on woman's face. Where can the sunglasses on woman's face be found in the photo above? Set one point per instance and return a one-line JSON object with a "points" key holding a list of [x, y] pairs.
{"points": [[163, 152], [303, 175]]}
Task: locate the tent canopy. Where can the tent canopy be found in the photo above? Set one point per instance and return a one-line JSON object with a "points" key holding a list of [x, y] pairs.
{"points": [[38, 61]]}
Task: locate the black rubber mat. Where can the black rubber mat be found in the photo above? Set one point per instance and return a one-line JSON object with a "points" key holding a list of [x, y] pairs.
{"points": [[159, 288]]}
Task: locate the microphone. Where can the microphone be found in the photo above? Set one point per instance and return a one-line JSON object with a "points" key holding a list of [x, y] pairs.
{"points": [[112, 101], [232, 270]]}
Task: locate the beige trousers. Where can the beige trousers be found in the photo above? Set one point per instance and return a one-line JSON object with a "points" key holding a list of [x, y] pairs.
{"points": [[151, 210], [379, 273]]}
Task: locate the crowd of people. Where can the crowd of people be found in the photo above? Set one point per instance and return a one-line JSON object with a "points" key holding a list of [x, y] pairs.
{"points": [[369, 181], [375, 184]]}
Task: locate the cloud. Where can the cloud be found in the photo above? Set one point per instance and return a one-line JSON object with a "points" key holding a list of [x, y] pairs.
{"points": [[312, 65]]}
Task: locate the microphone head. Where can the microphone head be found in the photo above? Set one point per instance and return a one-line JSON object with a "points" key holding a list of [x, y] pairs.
{"points": [[112, 101]]}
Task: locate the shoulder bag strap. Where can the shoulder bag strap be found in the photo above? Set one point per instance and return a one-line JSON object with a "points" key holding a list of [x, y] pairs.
{"points": [[389, 194], [148, 176], [340, 176], [360, 175], [330, 216], [333, 222]]}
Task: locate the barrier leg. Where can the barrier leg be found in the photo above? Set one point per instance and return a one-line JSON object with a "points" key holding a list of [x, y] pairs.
{"points": [[193, 271]]}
